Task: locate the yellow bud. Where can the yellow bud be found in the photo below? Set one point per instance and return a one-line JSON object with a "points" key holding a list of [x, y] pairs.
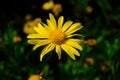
{"points": [[89, 9], [57, 9], [17, 39], [48, 5], [34, 77]]}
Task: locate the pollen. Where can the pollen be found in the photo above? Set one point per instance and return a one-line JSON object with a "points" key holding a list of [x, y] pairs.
{"points": [[57, 37]]}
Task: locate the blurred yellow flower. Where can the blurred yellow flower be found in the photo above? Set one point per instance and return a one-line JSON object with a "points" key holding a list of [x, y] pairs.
{"points": [[48, 5], [28, 17], [90, 61], [89, 9], [34, 77], [28, 26], [90, 42], [57, 9], [105, 66], [37, 77], [17, 39], [56, 36]]}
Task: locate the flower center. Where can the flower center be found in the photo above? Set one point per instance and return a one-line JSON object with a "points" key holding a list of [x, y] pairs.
{"points": [[57, 37]]}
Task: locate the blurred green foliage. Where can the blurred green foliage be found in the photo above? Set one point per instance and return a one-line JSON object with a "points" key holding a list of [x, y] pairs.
{"points": [[18, 61]]}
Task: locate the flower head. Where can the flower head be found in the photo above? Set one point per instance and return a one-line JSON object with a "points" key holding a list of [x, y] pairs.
{"points": [[17, 39], [34, 77], [57, 9], [28, 17], [89, 9], [48, 5], [90, 42], [90, 61], [58, 36]]}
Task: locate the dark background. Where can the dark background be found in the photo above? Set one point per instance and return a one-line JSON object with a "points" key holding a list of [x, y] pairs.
{"points": [[18, 61]]}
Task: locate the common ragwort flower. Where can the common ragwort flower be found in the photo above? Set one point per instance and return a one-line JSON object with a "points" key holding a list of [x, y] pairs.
{"points": [[34, 77], [48, 5], [58, 36]]}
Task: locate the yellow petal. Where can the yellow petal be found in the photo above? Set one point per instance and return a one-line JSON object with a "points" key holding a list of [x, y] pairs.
{"points": [[58, 51], [74, 51], [60, 22], [47, 49], [46, 26], [41, 43], [50, 24], [77, 40], [37, 36], [33, 41], [52, 19], [68, 51], [74, 44], [75, 35], [73, 28], [66, 25], [41, 30]]}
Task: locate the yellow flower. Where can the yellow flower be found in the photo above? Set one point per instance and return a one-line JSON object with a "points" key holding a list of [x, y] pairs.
{"points": [[34, 77], [28, 26], [89, 9], [17, 39], [90, 61], [57, 9], [48, 5], [90, 42], [58, 36], [28, 17], [105, 66]]}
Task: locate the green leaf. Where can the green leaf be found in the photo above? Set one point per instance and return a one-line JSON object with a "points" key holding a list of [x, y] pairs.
{"points": [[1, 66], [116, 45], [104, 5]]}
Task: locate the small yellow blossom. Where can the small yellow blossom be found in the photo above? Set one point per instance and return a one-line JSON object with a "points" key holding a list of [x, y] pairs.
{"points": [[89, 9], [90, 42], [48, 5], [37, 77], [28, 26], [28, 17], [17, 39], [34, 77], [105, 66], [58, 36], [57, 9], [90, 61]]}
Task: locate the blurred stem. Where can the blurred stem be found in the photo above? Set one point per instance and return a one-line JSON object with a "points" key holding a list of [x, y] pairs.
{"points": [[113, 72], [16, 53], [117, 66]]}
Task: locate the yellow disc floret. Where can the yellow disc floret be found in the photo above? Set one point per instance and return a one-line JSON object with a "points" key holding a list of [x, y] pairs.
{"points": [[57, 37]]}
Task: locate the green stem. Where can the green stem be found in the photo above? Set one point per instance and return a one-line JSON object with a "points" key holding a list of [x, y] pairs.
{"points": [[113, 72]]}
